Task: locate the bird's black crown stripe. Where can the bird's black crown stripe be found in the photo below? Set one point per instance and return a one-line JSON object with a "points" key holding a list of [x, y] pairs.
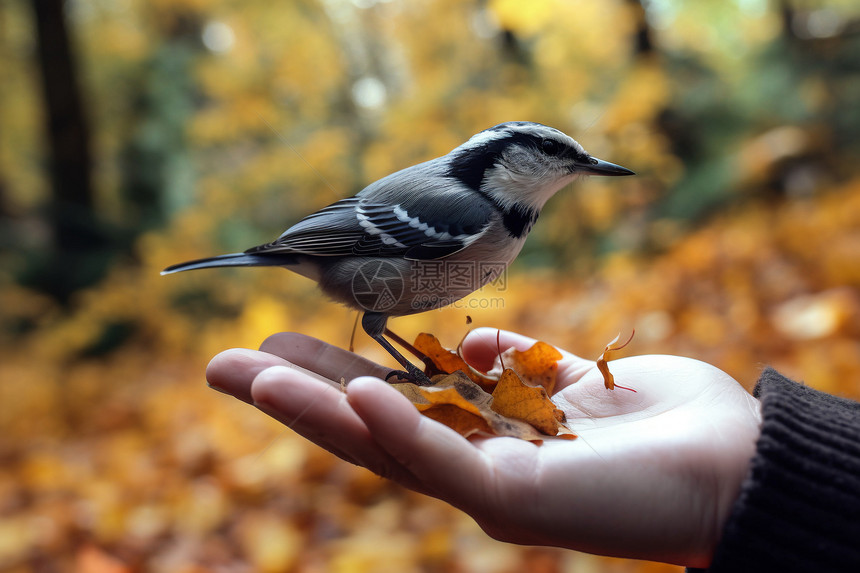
{"points": [[469, 165]]}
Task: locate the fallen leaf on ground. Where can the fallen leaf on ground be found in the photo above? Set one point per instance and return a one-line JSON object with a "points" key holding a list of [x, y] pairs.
{"points": [[92, 559]]}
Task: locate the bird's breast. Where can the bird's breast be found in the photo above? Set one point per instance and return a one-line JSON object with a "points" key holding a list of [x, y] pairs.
{"points": [[397, 286]]}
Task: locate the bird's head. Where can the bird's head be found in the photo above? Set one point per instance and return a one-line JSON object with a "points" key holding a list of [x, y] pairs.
{"points": [[520, 163]]}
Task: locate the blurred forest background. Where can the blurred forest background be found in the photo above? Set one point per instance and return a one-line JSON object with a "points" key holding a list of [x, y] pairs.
{"points": [[136, 134]]}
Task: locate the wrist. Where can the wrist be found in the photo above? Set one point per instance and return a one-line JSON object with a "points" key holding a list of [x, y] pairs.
{"points": [[796, 510], [735, 470]]}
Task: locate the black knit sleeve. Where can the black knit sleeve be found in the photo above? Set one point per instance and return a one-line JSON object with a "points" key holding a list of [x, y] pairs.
{"points": [[799, 507]]}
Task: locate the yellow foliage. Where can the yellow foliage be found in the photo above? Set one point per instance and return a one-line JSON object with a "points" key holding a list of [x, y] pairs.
{"points": [[644, 90], [525, 18], [271, 544], [116, 455]]}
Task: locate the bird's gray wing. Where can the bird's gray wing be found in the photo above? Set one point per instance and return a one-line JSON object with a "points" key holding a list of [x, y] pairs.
{"points": [[331, 231], [423, 226], [426, 223]]}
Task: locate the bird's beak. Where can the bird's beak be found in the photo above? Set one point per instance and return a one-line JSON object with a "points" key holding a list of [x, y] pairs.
{"points": [[595, 166]]}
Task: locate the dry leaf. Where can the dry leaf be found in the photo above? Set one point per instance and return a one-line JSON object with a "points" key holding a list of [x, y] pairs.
{"points": [[536, 366], [456, 389], [461, 404], [92, 559], [458, 419], [448, 361], [519, 405], [603, 366], [516, 399]]}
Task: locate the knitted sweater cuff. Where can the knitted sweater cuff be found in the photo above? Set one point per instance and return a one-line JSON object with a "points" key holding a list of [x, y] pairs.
{"points": [[799, 507]]}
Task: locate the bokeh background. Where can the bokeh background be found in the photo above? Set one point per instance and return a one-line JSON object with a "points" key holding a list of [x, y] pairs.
{"points": [[136, 134]]}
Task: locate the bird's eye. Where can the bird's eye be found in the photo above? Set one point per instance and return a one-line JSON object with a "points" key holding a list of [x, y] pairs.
{"points": [[550, 147]]}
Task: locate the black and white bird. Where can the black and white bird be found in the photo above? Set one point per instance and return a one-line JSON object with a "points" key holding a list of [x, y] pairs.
{"points": [[430, 234]]}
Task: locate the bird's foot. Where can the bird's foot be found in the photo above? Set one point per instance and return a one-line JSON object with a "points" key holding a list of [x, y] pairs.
{"points": [[412, 374]]}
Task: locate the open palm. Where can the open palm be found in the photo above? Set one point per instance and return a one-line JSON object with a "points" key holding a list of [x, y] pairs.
{"points": [[653, 474]]}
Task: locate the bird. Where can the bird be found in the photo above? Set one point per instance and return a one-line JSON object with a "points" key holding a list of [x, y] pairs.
{"points": [[430, 234]]}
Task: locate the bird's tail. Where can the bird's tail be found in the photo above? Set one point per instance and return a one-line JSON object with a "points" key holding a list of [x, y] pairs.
{"points": [[233, 260]]}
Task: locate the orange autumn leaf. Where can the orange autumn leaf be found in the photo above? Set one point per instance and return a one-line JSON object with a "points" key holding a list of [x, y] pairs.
{"points": [[461, 404], [514, 398], [536, 366], [455, 389], [444, 359], [603, 362], [457, 419], [92, 559], [519, 405], [448, 361]]}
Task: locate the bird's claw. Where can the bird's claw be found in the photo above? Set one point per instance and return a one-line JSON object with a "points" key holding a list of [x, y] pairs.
{"points": [[412, 374]]}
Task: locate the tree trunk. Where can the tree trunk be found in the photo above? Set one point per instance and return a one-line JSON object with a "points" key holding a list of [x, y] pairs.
{"points": [[68, 135], [77, 255]]}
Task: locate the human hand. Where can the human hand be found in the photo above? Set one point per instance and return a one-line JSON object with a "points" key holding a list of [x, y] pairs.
{"points": [[653, 474]]}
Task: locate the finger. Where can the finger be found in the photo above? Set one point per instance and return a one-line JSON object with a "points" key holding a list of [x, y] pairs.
{"points": [[317, 356], [571, 369], [425, 448], [232, 371], [321, 413], [482, 346]]}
